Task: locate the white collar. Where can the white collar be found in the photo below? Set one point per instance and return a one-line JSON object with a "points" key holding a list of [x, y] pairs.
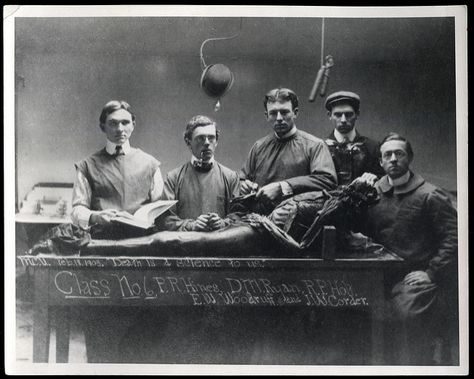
{"points": [[110, 147], [340, 137], [399, 181], [289, 134], [194, 159]]}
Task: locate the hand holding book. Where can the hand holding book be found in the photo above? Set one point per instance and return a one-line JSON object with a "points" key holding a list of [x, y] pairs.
{"points": [[145, 216]]}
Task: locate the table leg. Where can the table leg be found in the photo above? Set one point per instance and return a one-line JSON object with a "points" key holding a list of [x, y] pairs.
{"points": [[41, 333], [377, 314], [62, 334], [328, 249]]}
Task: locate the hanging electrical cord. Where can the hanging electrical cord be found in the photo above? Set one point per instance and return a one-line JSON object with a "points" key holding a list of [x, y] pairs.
{"points": [[322, 42], [203, 63], [321, 82]]}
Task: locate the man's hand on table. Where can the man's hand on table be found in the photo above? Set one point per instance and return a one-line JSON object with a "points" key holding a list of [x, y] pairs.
{"points": [[208, 222], [215, 222], [200, 224]]}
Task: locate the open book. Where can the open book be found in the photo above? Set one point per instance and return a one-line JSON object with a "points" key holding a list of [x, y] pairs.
{"points": [[144, 217]]}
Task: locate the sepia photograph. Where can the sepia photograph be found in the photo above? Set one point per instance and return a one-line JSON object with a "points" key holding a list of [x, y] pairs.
{"points": [[235, 190]]}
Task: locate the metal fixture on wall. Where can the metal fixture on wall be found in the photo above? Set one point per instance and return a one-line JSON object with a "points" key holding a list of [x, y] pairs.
{"points": [[322, 78], [216, 79]]}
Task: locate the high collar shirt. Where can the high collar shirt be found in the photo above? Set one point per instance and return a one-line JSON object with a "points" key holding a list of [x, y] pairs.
{"points": [[342, 137], [110, 147], [287, 135], [401, 181]]}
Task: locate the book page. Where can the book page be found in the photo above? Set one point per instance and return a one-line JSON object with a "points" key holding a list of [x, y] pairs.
{"points": [[149, 212]]}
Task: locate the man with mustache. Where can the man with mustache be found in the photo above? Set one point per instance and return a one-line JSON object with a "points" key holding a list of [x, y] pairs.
{"points": [[116, 178], [417, 221], [288, 161], [202, 186], [354, 155]]}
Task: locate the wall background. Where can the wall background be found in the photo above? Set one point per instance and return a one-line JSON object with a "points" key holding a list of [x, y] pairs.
{"points": [[68, 68]]}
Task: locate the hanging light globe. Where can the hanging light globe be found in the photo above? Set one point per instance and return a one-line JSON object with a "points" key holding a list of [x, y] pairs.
{"points": [[216, 80]]}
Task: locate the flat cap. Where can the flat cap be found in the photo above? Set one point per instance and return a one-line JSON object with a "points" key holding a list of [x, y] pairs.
{"points": [[342, 97]]}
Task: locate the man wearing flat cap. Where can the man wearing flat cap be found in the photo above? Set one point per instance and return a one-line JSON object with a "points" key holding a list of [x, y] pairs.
{"points": [[354, 155]]}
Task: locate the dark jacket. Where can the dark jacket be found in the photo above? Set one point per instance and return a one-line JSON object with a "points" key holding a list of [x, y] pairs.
{"points": [[417, 222], [353, 159]]}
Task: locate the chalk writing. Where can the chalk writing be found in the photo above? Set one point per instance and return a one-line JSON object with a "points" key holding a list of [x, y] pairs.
{"points": [[255, 263], [126, 262], [211, 288], [69, 283], [121, 262], [198, 263], [60, 261], [247, 298], [33, 261]]}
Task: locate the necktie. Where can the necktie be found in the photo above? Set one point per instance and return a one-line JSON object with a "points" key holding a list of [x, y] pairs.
{"points": [[118, 150], [202, 166]]}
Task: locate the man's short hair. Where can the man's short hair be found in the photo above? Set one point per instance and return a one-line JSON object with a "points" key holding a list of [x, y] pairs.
{"points": [[281, 95], [392, 136], [196, 122], [112, 106], [343, 97]]}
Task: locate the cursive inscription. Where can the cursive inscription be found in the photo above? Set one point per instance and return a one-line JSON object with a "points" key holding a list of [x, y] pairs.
{"points": [[201, 289]]}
